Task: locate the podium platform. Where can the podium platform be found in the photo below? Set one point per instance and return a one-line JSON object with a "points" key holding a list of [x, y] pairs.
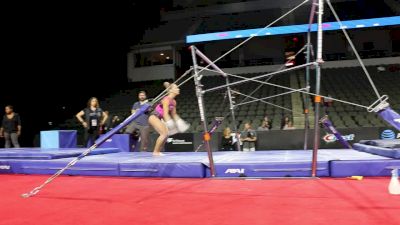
{"points": [[122, 141], [58, 139]]}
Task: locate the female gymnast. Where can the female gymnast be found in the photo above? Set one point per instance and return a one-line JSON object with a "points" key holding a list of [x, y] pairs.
{"points": [[165, 120]]}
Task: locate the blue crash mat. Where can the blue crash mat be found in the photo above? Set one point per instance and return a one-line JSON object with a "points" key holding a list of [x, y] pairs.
{"points": [[288, 163], [115, 164], [38, 153], [293, 163], [184, 164], [96, 165], [348, 168], [377, 150]]}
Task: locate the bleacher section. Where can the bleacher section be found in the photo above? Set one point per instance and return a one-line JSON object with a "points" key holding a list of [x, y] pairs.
{"points": [[351, 84], [217, 104]]}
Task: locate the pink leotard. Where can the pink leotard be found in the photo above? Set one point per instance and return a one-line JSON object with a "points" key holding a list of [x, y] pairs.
{"points": [[159, 111]]}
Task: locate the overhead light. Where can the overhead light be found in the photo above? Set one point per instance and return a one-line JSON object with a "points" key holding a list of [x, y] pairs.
{"points": [[167, 57], [161, 53]]}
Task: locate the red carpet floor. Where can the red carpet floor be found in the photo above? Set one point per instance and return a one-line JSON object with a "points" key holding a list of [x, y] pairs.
{"points": [[105, 200]]}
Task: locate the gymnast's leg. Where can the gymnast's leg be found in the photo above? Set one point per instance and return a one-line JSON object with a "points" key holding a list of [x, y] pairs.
{"points": [[162, 130]]}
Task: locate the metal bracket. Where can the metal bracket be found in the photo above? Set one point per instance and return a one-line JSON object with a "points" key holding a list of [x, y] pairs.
{"points": [[379, 104]]}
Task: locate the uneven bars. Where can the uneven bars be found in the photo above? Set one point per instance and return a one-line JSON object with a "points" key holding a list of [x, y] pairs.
{"points": [[269, 103], [257, 77], [305, 92]]}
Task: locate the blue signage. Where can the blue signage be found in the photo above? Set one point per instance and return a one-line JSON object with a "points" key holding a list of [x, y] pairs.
{"points": [[293, 29]]}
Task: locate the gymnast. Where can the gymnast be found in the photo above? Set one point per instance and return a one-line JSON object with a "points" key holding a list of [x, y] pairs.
{"points": [[165, 120]]}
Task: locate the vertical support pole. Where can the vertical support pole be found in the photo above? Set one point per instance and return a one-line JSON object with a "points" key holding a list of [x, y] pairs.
{"points": [[199, 94], [232, 108], [317, 88], [306, 98]]}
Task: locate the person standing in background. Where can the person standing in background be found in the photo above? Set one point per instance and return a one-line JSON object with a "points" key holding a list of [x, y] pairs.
{"points": [[249, 138], [268, 121], [289, 126], [91, 118], [141, 123], [285, 120], [228, 140], [264, 126], [10, 127]]}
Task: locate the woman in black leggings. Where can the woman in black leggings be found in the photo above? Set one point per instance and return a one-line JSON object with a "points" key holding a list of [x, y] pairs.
{"points": [[10, 127], [91, 118]]}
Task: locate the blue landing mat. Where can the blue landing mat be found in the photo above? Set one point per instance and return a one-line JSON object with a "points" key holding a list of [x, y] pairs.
{"points": [[38, 153], [116, 164], [188, 164], [95, 165], [388, 152], [347, 168], [372, 167], [292, 163]]}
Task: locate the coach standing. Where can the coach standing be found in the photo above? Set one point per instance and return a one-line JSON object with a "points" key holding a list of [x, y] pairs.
{"points": [[141, 123]]}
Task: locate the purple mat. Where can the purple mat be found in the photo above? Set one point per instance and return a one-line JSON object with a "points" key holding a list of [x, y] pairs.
{"points": [[292, 163], [288, 163], [98, 165], [376, 150], [38, 153], [116, 164], [187, 164], [362, 168], [294, 169]]}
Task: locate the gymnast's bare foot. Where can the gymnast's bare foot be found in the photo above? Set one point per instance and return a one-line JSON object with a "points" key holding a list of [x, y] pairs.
{"points": [[158, 154]]}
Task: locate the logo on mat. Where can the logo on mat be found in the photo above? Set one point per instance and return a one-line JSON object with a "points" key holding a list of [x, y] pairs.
{"points": [[5, 167], [329, 138], [178, 142], [388, 134], [234, 171], [397, 120]]}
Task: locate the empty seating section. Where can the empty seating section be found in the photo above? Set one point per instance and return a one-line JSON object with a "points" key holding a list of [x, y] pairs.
{"points": [[217, 104], [351, 84]]}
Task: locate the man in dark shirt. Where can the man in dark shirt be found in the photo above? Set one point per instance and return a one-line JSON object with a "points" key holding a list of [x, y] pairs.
{"points": [[248, 138], [141, 124], [10, 127]]}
